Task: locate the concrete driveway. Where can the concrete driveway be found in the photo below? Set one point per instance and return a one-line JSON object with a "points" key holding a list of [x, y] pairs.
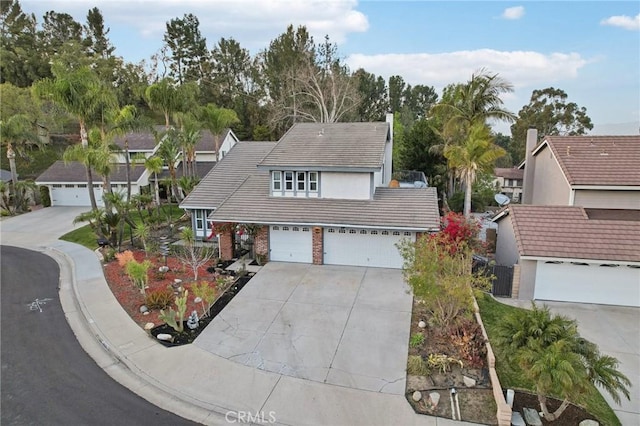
{"points": [[347, 326], [616, 331], [39, 228]]}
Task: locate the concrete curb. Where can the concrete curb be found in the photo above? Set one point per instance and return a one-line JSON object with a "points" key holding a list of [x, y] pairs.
{"points": [[111, 360]]}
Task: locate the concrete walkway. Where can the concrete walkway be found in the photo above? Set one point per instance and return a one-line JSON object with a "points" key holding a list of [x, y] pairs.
{"points": [[188, 380], [616, 331]]}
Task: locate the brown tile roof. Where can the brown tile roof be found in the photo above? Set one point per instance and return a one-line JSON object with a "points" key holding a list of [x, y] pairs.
{"points": [[202, 168], [324, 146], [227, 175], [509, 173], [145, 141], [597, 160], [567, 232], [409, 208], [74, 172]]}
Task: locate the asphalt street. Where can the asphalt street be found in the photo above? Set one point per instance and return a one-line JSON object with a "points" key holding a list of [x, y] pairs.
{"points": [[47, 378]]}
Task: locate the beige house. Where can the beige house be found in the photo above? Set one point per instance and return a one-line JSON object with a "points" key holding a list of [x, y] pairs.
{"points": [[509, 180], [576, 237]]}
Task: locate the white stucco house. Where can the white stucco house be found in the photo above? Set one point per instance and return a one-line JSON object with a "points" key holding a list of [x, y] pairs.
{"points": [[67, 183], [576, 238], [319, 195]]}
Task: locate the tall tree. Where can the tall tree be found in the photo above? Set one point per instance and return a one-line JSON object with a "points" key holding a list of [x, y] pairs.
{"points": [[188, 48], [550, 112], [396, 92], [169, 98], [217, 120], [21, 58], [477, 154], [373, 94], [57, 30], [169, 150]]}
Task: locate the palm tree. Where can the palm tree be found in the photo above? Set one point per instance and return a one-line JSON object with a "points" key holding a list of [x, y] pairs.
{"points": [[167, 98], [17, 134], [154, 165], [477, 154], [81, 94], [216, 120], [553, 355], [169, 151]]}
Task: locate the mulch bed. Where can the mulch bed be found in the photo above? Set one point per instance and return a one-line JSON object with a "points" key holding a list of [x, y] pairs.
{"points": [[129, 296], [572, 416]]}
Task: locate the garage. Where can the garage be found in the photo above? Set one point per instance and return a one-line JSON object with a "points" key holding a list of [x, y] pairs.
{"points": [[608, 284], [290, 244], [73, 195], [364, 247]]}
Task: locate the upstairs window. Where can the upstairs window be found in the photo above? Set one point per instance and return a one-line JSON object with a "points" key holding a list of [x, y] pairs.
{"points": [[301, 181], [276, 180], [313, 181], [288, 181]]}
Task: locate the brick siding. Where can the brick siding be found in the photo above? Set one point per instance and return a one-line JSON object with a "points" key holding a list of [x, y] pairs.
{"points": [[318, 245]]}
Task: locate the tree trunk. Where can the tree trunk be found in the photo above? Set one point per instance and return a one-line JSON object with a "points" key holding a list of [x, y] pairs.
{"points": [[157, 188], [467, 195], [545, 411], [128, 169], [11, 155]]}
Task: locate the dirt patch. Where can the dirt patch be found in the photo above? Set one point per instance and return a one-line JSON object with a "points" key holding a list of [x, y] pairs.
{"points": [[572, 416], [476, 405]]}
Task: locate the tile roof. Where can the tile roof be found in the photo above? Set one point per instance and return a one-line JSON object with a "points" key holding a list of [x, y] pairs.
{"points": [[324, 146], [227, 174], [567, 232], [145, 141], [509, 172], [408, 208], [202, 168], [74, 172], [597, 160]]}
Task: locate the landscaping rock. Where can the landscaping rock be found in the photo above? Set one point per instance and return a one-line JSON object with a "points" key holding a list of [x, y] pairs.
{"points": [[417, 396], [165, 337], [468, 381], [177, 281], [422, 324], [434, 398], [531, 417], [517, 420], [589, 422], [148, 326], [163, 269], [144, 309]]}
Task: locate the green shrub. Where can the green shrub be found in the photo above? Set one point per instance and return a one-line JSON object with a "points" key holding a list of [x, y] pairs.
{"points": [[159, 299], [416, 340], [442, 362], [45, 198], [206, 293], [416, 366], [137, 271], [175, 319]]}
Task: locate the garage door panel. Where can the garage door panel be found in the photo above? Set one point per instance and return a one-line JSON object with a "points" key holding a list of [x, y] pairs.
{"points": [[362, 247], [590, 283], [290, 244], [74, 196]]}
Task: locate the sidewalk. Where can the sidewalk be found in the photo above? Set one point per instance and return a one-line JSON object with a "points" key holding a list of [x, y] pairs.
{"points": [[187, 380]]}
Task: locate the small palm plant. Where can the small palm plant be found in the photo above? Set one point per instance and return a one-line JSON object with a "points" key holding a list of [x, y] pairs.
{"points": [[556, 359]]}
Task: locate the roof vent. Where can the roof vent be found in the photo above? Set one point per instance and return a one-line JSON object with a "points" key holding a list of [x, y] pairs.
{"points": [[604, 152], [321, 132], [568, 150]]}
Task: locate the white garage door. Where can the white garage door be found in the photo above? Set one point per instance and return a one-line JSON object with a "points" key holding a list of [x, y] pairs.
{"points": [[73, 195], [590, 283], [290, 244], [364, 247]]}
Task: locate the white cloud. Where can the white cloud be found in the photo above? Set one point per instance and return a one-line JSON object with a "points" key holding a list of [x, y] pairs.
{"points": [[623, 21], [521, 68], [254, 23], [516, 12]]}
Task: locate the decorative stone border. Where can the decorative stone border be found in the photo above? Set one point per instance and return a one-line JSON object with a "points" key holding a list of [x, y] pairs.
{"points": [[503, 414]]}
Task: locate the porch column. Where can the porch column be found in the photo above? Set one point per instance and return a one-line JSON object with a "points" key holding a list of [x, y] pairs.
{"points": [[261, 242], [318, 245], [226, 245]]}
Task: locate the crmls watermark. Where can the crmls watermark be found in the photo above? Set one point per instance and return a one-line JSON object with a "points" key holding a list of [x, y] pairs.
{"points": [[259, 417]]}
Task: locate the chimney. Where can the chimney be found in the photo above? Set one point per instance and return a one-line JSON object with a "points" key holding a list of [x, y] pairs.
{"points": [[388, 152], [529, 166]]}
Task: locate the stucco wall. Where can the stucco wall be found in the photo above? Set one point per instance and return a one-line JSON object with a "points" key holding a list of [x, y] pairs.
{"points": [[527, 279], [354, 186], [549, 184], [607, 199], [506, 246]]}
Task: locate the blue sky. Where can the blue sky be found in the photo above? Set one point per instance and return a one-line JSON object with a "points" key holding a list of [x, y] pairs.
{"points": [[590, 49]]}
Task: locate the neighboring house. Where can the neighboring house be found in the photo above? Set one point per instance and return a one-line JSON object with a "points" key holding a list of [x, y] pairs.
{"points": [[572, 254], [320, 195], [68, 185], [588, 171], [509, 181], [576, 238]]}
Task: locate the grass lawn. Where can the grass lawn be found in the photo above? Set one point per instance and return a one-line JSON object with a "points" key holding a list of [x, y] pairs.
{"points": [[86, 237], [512, 377]]}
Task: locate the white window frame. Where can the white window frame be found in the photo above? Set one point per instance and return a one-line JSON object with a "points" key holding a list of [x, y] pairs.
{"points": [[302, 181], [288, 179], [276, 181], [313, 181]]}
